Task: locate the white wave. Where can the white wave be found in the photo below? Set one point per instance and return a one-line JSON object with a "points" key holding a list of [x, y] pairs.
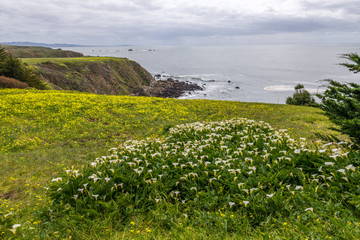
{"points": [[288, 88], [201, 77], [279, 88]]}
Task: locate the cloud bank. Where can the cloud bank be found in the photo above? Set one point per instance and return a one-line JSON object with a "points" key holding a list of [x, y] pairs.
{"points": [[149, 22]]}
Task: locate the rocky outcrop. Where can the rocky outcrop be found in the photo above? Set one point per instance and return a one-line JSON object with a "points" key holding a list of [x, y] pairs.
{"points": [[114, 76], [170, 88]]}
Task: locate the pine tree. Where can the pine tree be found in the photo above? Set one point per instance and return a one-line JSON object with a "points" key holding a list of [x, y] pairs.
{"points": [[341, 102]]}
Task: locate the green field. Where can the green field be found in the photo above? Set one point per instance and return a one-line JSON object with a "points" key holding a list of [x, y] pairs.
{"points": [[42, 133], [38, 52], [34, 61]]}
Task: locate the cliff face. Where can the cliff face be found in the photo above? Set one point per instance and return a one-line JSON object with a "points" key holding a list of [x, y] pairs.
{"points": [[113, 76]]}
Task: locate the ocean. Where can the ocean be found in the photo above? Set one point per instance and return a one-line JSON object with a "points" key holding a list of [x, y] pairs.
{"points": [[248, 73]]}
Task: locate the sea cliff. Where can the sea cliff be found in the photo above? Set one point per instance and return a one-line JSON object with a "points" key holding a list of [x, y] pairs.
{"points": [[105, 75]]}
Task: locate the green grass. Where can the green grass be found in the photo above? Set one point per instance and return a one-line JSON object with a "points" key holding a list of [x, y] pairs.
{"points": [[34, 61], [39, 52], [44, 132]]}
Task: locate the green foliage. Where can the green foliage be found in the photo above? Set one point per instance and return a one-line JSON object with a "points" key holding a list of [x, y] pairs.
{"points": [[44, 132], [341, 102], [353, 57], [219, 175], [301, 97], [6, 222], [38, 52], [12, 67]]}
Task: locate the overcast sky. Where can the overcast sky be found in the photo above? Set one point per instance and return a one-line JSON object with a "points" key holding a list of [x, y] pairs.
{"points": [[180, 22]]}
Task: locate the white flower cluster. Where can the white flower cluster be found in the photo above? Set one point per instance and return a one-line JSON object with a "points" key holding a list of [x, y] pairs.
{"points": [[245, 158]]}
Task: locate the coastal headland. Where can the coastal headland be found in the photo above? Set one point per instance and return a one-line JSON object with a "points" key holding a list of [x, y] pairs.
{"points": [[106, 75]]}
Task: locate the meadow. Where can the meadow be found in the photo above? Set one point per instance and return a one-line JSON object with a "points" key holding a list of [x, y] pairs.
{"points": [[51, 140], [38, 52], [34, 61]]}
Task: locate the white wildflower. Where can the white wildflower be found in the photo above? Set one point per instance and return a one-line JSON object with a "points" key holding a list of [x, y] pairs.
{"points": [[253, 168], [56, 179], [16, 226], [350, 167]]}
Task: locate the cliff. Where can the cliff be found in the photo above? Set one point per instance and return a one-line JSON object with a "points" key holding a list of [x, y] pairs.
{"points": [[105, 75]]}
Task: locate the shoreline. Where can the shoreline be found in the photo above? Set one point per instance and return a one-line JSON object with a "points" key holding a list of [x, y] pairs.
{"points": [[170, 88]]}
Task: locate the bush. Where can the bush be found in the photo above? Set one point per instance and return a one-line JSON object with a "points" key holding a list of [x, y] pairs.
{"points": [[12, 67], [301, 97], [6, 82], [341, 102]]}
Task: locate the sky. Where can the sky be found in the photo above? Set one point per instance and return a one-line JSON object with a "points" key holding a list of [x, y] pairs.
{"points": [[180, 22]]}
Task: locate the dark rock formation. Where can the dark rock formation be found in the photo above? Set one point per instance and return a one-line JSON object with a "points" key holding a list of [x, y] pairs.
{"points": [[171, 88]]}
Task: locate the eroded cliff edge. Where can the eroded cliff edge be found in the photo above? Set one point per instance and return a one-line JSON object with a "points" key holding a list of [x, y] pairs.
{"points": [[105, 75]]}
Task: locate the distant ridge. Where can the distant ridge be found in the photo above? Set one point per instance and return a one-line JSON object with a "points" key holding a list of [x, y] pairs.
{"points": [[34, 44], [55, 45]]}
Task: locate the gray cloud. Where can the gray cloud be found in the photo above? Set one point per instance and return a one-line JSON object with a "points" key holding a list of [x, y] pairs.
{"points": [[170, 21]]}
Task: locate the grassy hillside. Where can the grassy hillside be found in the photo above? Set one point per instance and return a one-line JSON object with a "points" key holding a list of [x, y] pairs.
{"points": [[103, 75], [61, 60], [38, 52], [44, 132]]}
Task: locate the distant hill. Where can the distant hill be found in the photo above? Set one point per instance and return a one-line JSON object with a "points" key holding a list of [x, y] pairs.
{"points": [[58, 45], [34, 44], [38, 52]]}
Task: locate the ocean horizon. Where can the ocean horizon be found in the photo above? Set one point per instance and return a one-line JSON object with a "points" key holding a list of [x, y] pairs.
{"points": [[247, 73]]}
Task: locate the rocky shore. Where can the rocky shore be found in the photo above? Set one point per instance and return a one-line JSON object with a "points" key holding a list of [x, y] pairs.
{"points": [[170, 88]]}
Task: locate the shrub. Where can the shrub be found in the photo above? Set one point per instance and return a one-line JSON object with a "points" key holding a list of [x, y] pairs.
{"points": [[301, 97], [6, 82], [341, 102]]}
